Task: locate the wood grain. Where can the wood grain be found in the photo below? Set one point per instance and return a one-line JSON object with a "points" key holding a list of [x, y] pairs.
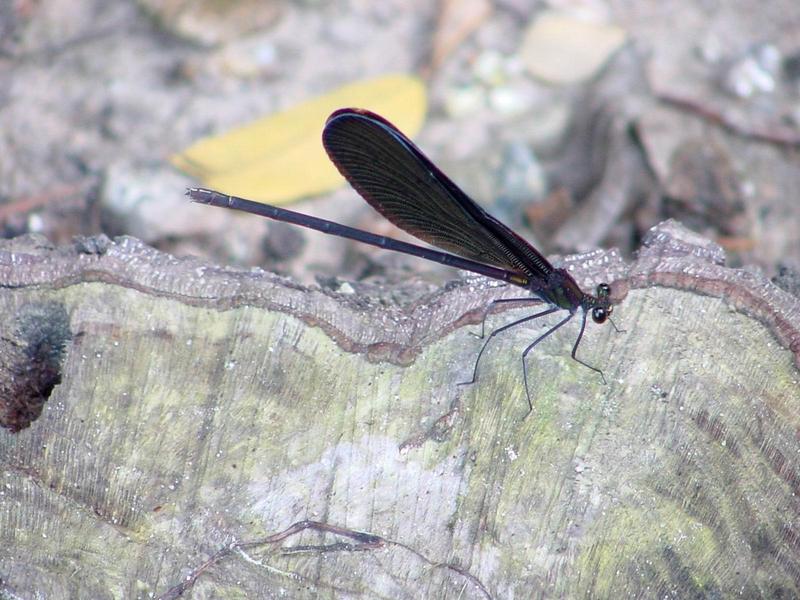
{"points": [[201, 405]]}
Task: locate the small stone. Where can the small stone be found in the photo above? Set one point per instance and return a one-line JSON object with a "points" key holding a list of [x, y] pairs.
{"points": [[211, 22], [755, 73], [545, 124], [489, 68], [346, 288], [508, 101], [521, 177], [561, 49], [248, 58], [149, 203], [464, 101]]}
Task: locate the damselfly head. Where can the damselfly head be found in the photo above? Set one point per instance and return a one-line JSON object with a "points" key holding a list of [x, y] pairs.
{"points": [[600, 314], [602, 308]]}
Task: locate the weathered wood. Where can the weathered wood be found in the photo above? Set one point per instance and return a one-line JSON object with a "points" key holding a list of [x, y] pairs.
{"points": [[199, 405]]}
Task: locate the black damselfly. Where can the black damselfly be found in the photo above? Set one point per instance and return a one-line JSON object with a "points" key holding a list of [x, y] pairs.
{"points": [[402, 184]]}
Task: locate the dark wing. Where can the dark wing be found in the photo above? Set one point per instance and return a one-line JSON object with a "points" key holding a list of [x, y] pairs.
{"points": [[402, 184]]}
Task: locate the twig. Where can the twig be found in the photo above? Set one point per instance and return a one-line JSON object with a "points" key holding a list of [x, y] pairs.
{"points": [[782, 136], [28, 203]]}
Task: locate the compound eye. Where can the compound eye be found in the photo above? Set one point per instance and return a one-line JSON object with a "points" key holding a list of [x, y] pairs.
{"points": [[603, 290], [599, 314]]}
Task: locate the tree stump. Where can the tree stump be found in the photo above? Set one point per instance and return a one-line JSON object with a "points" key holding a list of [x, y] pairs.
{"points": [[187, 409]]}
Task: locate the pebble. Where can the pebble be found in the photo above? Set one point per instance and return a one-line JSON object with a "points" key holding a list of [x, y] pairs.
{"points": [[211, 22], [755, 73], [489, 68], [248, 58], [463, 101], [509, 101], [522, 177], [562, 49], [148, 202]]}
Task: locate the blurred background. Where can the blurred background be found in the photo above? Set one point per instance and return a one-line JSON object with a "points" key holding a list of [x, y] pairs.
{"points": [[580, 124]]}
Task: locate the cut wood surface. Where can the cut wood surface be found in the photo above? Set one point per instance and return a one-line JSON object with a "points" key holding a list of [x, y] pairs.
{"points": [[193, 407]]}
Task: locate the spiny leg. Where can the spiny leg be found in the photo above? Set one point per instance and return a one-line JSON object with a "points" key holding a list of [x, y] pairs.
{"points": [[532, 345], [575, 349], [500, 330], [488, 308]]}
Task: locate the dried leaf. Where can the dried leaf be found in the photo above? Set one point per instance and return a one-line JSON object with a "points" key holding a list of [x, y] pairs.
{"points": [[213, 22], [280, 158]]}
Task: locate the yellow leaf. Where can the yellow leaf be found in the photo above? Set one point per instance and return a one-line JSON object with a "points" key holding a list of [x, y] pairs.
{"points": [[280, 158]]}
